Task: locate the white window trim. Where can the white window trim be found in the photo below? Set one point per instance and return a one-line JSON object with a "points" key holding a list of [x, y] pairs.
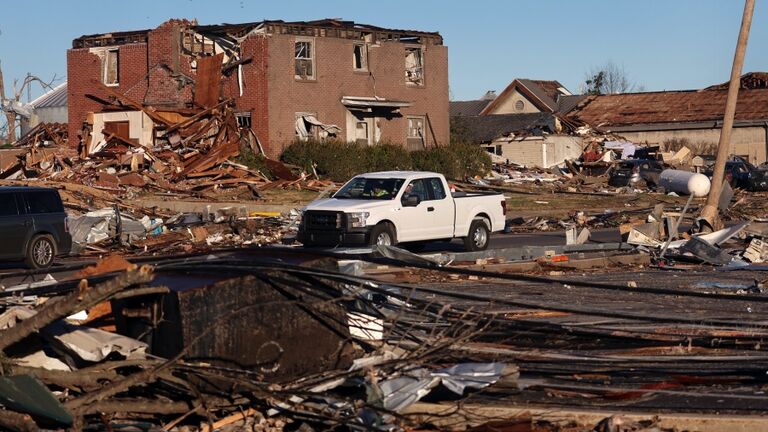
{"points": [[312, 57], [364, 52]]}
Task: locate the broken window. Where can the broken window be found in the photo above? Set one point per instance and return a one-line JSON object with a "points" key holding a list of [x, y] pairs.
{"points": [[414, 66], [362, 135], [305, 55], [360, 59], [110, 65], [416, 133], [308, 126], [243, 119]]}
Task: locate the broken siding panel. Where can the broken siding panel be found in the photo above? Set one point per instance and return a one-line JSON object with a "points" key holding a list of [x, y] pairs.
{"points": [[207, 84], [527, 152]]}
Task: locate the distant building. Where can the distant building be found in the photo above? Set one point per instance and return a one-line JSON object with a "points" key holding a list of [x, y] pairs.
{"points": [[692, 115], [288, 80], [50, 107], [521, 124]]}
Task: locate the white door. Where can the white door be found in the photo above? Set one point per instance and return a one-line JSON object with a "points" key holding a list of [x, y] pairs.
{"points": [[414, 221], [439, 209], [432, 218]]}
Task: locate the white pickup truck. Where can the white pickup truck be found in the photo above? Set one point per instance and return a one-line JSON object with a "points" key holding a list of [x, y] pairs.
{"points": [[392, 207]]}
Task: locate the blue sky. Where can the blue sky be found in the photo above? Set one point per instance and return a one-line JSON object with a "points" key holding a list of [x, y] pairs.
{"points": [[681, 44]]}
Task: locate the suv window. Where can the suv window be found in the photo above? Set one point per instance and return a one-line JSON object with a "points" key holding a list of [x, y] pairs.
{"points": [[8, 205], [43, 202], [437, 189]]}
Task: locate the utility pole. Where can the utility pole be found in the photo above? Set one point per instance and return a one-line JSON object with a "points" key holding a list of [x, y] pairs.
{"points": [[710, 211]]}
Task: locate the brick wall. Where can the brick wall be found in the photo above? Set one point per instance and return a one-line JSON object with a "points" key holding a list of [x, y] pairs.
{"points": [[255, 85], [166, 88], [84, 70], [336, 78]]}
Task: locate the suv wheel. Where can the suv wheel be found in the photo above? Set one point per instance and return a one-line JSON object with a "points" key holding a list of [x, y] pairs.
{"points": [[40, 252], [478, 237]]}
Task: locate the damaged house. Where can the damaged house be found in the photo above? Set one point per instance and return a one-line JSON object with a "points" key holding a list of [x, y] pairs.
{"points": [[695, 116], [523, 124], [285, 81]]}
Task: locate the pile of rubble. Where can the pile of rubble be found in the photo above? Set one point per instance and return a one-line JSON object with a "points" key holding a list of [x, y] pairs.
{"points": [[279, 339]]}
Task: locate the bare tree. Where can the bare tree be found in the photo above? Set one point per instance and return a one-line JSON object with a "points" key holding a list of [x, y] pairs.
{"points": [[12, 106], [608, 79]]}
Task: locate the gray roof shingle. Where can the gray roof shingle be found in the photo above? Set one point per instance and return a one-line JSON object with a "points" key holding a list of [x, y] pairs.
{"points": [[468, 108], [486, 128]]}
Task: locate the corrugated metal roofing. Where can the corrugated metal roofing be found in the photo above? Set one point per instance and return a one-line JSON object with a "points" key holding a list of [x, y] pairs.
{"points": [[671, 106], [54, 98]]}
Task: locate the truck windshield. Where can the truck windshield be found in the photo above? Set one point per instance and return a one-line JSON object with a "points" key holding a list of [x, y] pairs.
{"points": [[362, 188]]}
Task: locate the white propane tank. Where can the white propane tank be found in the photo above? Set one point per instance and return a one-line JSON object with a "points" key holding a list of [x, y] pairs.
{"points": [[684, 182]]}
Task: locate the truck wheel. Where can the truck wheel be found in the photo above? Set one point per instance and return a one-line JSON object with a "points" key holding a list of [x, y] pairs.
{"points": [[383, 234], [40, 252], [478, 237]]}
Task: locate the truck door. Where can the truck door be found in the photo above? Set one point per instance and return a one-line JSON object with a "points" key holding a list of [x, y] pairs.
{"points": [[414, 222], [14, 225], [440, 208]]}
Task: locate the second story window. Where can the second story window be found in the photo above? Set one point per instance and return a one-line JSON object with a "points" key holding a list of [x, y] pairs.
{"points": [[414, 66], [110, 65], [305, 59], [360, 57]]}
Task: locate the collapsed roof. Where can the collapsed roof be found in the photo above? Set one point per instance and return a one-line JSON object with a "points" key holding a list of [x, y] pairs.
{"points": [[487, 128], [329, 27], [669, 107]]}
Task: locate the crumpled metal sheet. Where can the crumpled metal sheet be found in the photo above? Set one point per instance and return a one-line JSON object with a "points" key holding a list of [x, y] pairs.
{"points": [[94, 345], [88, 344], [27, 394], [402, 392]]}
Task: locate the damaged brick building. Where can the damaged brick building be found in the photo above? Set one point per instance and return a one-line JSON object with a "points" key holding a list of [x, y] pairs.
{"points": [[287, 80]]}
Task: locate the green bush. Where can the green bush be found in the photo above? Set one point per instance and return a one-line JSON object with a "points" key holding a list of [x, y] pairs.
{"points": [[253, 161], [340, 161]]}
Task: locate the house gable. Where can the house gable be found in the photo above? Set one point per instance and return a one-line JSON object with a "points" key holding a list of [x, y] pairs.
{"points": [[526, 96]]}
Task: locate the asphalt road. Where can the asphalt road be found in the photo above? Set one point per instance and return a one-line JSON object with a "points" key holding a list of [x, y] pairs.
{"points": [[512, 240], [13, 273]]}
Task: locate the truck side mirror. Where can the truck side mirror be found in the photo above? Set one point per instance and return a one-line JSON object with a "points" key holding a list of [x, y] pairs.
{"points": [[411, 201]]}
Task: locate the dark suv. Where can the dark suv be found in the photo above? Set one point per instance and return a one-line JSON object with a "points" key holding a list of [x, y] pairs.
{"points": [[636, 172], [33, 225]]}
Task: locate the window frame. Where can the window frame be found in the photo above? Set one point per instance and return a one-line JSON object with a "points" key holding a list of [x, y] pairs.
{"points": [[16, 200], [27, 198], [363, 57], [423, 137], [421, 82], [312, 59], [105, 67], [432, 191]]}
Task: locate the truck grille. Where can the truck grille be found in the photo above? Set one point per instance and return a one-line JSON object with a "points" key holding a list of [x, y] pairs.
{"points": [[324, 220]]}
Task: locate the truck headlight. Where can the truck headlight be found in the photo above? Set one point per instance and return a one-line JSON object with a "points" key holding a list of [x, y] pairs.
{"points": [[358, 219]]}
